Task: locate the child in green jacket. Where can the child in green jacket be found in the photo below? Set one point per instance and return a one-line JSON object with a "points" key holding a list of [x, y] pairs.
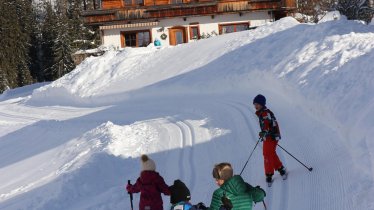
{"points": [[233, 191]]}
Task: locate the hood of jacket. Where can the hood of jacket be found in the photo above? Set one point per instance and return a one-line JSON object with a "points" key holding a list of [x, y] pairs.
{"points": [[149, 177]]}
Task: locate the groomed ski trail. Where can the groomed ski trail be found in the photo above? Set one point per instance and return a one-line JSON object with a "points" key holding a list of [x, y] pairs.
{"points": [[238, 118]]}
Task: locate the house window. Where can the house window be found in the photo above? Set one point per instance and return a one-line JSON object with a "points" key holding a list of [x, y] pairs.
{"points": [[136, 38], [176, 1], [194, 32], [130, 40], [234, 27], [134, 2], [227, 29], [143, 39]]}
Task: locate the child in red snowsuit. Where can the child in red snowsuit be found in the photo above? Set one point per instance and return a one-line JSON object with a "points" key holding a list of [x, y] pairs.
{"points": [[150, 185], [270, 135]]}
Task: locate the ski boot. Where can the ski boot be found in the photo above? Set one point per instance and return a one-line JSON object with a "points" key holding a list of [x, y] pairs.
{"points": [[283, 172], [269, 179]]}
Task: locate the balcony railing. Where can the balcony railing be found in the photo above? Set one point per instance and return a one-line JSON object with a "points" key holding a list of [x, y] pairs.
{"points": [[131, 14], [182, 10], [233, 6], [202, 7]]}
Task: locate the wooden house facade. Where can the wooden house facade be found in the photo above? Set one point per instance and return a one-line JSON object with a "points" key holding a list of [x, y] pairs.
{"points": [[137, 23]]}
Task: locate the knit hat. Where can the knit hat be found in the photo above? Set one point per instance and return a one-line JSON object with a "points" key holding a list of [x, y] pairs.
{"points": [[260, 99], [147, 164], [179, 192]]}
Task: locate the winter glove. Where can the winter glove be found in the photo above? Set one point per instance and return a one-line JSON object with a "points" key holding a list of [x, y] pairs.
{"points": [[129, 187], [200, 206], [262, 134], [226, 203]]}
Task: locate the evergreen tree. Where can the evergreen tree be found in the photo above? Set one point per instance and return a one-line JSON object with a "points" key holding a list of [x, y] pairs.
{"points": [[82, 36], [37, 43], [62, 50], [25, 24], [35, 49], [49, 35], [356, 9], [15, 42], [8, 24], [74, 15]]}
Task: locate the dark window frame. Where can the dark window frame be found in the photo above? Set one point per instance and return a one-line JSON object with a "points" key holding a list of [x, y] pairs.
{"points": [[123, 34], [220, 26]]}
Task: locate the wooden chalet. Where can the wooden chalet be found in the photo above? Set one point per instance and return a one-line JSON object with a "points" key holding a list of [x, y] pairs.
{"points": [[137, 23]]}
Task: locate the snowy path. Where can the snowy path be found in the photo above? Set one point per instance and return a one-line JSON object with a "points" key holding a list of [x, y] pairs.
{"points": [[189, 131]]}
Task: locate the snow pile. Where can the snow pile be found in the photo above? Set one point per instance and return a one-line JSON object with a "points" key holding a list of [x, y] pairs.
{"points": [[331, 16], [120, 71], [189, 107], [126, 143]]}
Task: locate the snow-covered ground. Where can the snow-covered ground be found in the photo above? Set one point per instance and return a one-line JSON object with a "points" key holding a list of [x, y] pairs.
{"points": [[74, 143]]}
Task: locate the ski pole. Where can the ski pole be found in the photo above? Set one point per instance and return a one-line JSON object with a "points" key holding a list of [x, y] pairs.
{"points": [[309, 168], [131, 197], [265, 205], [245, 165]]}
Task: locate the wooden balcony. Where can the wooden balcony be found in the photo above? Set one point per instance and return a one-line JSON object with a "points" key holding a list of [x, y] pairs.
{"points": [[99, 16], [184, 10], [137, 10], [102, 17], [234, 6]]}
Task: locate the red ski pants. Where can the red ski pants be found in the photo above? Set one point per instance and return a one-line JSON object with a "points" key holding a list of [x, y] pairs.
{"points": [[271, 159]]}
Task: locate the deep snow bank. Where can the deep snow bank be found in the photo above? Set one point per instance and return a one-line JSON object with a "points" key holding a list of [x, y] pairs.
{"points": [[118, 72]]}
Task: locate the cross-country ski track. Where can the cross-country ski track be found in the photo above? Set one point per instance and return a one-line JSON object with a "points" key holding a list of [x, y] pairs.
{"points": [[239, 120]]}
